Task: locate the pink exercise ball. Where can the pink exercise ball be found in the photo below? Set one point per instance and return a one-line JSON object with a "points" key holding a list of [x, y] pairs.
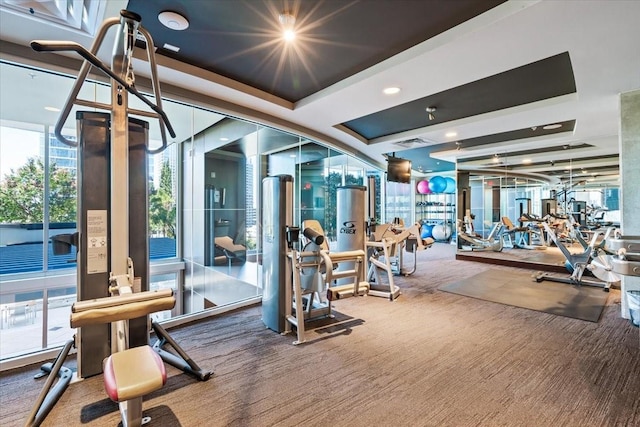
{"points": [[423, 187]]}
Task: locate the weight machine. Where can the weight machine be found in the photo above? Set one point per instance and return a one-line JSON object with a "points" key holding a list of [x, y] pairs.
{"points": [[299, 285], [385, 248], [315, 274], [112, 237], [626, 262], [523, 237], [469, 241]]}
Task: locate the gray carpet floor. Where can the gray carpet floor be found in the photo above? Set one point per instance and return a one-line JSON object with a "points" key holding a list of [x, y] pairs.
{"points": [[430, 358]]}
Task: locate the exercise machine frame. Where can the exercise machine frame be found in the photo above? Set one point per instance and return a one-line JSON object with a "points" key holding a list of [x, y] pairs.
{"points": [[112, 178], [315, 275], [588, 260], [385, 248]]}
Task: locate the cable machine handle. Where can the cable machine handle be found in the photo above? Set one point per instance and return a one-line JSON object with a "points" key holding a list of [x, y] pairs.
{"points": [[60, 46]]}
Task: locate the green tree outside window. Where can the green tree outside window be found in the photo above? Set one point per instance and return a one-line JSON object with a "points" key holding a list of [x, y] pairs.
{"points": [[22, 194], [162, 205]]}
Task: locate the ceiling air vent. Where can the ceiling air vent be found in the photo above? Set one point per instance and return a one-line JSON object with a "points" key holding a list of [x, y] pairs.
{"points": [[83, 15], [410, 143]]}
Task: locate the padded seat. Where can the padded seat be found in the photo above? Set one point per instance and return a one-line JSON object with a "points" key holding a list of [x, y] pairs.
{"points": [[511, 227], [132, 373], [230, 250]]}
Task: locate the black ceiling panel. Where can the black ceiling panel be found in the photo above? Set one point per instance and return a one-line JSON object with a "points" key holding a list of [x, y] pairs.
{"points": [[537, 81], [241, 39], [516, 135], [560, 149]]}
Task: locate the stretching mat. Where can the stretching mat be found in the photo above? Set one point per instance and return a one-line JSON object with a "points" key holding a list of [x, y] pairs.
{"points": [[519, 289]]}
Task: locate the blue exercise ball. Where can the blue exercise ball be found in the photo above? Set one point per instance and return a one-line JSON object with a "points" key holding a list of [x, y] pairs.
{"points": [[427, 231], [451, 185], [437, 184]]}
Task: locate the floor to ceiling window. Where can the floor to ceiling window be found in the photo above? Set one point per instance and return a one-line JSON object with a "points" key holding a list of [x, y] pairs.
{"points": [[38, 183], [204, 204]]}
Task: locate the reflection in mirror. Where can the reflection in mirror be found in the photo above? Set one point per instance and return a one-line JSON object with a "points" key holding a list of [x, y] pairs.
{"points": [[501, 215]]}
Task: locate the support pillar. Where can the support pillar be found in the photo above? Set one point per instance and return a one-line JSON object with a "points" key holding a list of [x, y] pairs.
{"points": [[629, 177]]}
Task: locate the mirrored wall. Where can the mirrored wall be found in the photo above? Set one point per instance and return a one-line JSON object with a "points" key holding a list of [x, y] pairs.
{"points": [[501, 214]]}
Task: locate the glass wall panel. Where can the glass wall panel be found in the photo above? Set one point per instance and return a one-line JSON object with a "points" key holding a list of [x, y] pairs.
{"points": [[164, 281], [204, 204], [58, 305], [60, 206], [312, 185], [377, 195], [399, 202], [21, 327], [334, 178], [163, 196], [21, 197], [220, 216]]}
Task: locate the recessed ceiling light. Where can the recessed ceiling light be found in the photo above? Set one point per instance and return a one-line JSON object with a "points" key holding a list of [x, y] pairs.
{"points": [[451, 134], [54, 109], [288, 35], [553, 126], [173, 20], [287, 21], [224, 139], [526, 161], [391, 90]]}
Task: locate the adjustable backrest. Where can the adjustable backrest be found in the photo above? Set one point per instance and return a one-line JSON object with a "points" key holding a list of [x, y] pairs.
{"points": [[507, 223]]}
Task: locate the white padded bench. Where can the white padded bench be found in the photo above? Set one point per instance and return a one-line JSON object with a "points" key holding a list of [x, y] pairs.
{"points": [[130, 373]]}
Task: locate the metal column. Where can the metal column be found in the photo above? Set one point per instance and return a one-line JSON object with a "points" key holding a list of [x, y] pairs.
{"points": [[277, 214], [350, 222]]}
